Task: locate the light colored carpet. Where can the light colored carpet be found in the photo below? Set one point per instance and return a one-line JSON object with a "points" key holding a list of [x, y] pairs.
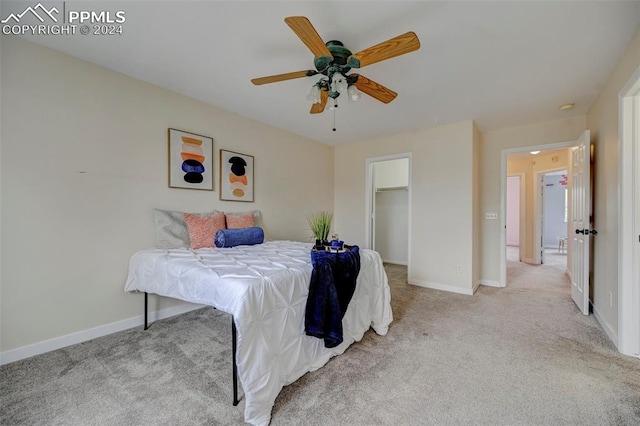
{"points": [[521, 355], [552, 257]]}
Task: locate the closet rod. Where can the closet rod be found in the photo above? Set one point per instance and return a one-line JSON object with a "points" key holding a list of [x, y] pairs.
{"points": [[392, 188]]}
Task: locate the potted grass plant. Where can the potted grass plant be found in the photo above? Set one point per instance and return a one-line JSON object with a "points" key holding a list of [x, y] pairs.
{"points": [[320, 225]]}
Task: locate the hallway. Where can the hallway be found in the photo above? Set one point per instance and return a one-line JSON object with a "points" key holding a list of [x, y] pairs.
{"points": [[552, 257], [550, 275]]}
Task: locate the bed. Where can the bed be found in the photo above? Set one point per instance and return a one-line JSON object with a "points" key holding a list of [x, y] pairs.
{"points": [[264, 287]]}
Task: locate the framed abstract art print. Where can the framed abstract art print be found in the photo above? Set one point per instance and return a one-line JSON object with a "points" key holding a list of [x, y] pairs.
{"points": [[190, 160], [236, 176]]}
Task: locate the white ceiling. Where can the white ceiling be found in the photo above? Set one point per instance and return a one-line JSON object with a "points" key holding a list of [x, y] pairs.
{"points": [[498, 63], [528, 156]]}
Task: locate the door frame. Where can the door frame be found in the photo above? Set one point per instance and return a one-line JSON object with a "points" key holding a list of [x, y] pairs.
{"points": [[503, 196], [369, 228], [629, 217], [538, 210]]}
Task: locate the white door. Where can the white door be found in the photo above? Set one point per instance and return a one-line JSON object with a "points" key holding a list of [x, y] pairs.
{"points": [[541, 216], [580, 221]]}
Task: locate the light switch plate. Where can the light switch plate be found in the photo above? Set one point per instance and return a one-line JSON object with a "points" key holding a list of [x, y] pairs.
{"points": [[491, 215]]}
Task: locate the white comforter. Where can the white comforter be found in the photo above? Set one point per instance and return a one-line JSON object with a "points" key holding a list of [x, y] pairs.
{"points": [[265, 288]]}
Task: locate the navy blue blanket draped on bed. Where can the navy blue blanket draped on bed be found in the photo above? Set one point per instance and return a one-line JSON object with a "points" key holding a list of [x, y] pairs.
{"points": [[333, 282]]}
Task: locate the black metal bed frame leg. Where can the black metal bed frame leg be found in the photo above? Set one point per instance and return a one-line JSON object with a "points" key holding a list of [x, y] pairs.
{"points": [[236, 401], [146, 304]]}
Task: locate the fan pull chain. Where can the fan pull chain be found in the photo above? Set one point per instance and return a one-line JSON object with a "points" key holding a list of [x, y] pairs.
{"points": [[335, 107]]}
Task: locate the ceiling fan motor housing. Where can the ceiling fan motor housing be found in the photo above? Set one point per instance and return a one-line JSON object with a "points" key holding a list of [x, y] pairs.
{"points": [[325, 64]]}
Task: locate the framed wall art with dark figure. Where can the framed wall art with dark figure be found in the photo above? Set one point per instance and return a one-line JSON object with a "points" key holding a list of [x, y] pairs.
{"points": [[190, 160], [236, 176]]}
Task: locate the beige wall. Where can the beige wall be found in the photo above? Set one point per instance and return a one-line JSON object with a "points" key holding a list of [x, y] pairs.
{"points": [[602, 120], [441, 204], [493, 143], [529, 167], [84, 161]]}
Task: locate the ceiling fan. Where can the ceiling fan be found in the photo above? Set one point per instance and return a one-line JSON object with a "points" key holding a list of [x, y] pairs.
{"points": [[334, 61]]}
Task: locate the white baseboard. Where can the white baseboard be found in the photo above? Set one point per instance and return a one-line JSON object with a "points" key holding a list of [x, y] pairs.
{"points": [[530, 261], [443, 287], [395, 262], [606, 327], [92, 333], [490, 283]]}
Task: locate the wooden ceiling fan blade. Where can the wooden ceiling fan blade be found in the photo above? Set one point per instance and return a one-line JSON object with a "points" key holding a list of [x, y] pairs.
{"points": [[404, 43], [282, 77], [309, 36], [318, 108], [374, 89]]}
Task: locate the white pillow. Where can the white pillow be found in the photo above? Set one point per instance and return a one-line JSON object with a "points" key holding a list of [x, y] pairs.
{"points": [[171, 229]]}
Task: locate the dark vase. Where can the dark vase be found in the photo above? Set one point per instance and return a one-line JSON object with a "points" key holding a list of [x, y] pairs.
{"points": [[321, 244]]}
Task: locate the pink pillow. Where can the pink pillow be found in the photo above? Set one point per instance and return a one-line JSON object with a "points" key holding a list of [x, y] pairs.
{"points": [[202, 229], [236, 221]]}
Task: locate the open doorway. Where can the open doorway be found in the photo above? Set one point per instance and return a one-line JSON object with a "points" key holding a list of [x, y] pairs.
{"points": [[388, 207], [554, 212], [535, 212]]}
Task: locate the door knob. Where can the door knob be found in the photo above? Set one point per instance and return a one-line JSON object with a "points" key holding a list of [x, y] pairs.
{"points": [[586, 231]]}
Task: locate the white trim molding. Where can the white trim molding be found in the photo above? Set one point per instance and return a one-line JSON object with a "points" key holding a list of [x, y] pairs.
{"points": [[92, 333], [443, 287], [490, 283], [395, 262], [628, 341], [605, 326]]}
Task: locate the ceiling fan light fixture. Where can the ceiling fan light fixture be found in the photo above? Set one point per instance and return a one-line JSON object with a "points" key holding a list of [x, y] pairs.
{"points": [[314, 94], [338, 83], [353, 93]]}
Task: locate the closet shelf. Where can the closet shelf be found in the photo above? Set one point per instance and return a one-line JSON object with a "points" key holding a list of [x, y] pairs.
{"points": [[392, 188]]}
